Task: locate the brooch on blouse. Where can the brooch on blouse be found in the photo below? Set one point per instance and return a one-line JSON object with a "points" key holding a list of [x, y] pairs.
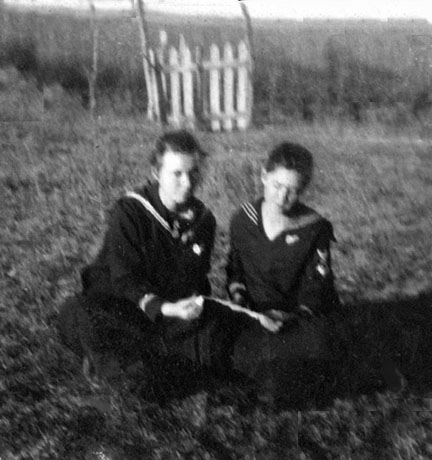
{"points": [[291, 239], [187, 236], [197, 249]]}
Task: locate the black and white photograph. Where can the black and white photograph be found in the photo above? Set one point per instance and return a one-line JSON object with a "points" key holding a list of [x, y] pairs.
{"points": [[215, 230]]}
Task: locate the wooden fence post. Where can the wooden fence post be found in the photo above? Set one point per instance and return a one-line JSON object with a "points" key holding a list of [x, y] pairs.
{"points": [[251, 58], [249, 31], [92, 75], [214, 88], [145, 52]]}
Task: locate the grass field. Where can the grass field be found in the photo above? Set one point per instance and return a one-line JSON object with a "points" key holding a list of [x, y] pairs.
{"points": [[58, 177]]}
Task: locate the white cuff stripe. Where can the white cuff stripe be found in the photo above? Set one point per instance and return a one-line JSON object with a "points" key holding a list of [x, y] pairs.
{"points": [[233, 287], [145, 301]]}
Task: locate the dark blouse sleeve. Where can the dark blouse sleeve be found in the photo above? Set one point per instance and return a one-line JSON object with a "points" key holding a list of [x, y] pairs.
{"points": [[127, 258], [236, 286], [316, 290]]}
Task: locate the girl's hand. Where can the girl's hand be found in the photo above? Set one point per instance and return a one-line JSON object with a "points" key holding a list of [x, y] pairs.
{"points": [[270, 324], [186, 309]]}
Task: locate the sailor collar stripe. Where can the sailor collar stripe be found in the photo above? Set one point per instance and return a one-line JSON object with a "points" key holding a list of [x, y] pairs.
{"points": [[302, 221], [146, 204], [250, 212]]}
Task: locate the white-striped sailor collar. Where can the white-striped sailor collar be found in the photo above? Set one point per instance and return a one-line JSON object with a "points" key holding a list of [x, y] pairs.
{"points": [[151, 209], [251, 212], [149, 199], [307, 217]]}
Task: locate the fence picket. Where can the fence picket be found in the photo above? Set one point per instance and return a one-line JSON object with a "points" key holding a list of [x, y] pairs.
{"points": [[228, 87], [163, 39], [153, 83], [200, 93], [175, 86], [244, 88], [215, 88], [188, 102]]}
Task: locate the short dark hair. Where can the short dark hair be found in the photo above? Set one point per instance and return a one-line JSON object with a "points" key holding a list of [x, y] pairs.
{"points": [[178, 141], [291, 156]]}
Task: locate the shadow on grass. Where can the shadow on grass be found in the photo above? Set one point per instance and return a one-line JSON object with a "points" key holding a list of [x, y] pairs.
{"points": [[378, 347], [389, 338]]}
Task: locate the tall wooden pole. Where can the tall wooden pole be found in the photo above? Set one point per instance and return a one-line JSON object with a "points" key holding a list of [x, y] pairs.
{"points": [[161, 78], [250, 45], [92, 72], [95, 53], [151, 106], [249, 30]]}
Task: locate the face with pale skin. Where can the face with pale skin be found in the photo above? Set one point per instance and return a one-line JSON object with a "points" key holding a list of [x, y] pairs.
{"points": [[282, 188], [178, 176]]}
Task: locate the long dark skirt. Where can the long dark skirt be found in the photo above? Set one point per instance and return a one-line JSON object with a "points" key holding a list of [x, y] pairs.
{"points": [[295, 365], [104, 330]]}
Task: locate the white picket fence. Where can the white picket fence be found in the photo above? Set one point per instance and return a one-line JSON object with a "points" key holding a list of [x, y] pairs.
{"points": [[188, 89]]}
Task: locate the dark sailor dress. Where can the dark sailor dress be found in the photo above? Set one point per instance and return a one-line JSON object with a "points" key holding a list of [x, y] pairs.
{"points": [[149, 255], [293, 269]]}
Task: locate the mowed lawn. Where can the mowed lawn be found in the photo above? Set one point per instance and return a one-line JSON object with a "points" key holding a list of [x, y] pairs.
{"points": [[59, 176]]}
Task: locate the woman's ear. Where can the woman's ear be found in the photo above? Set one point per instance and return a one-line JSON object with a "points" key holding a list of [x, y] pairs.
{"points": [[263, 175], [155, 173]]}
